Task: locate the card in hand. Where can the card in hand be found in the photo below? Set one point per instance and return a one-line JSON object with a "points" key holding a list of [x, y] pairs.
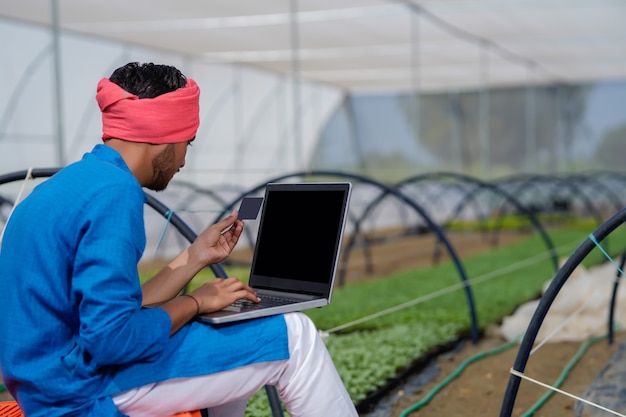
{"points": [[249, 208]]}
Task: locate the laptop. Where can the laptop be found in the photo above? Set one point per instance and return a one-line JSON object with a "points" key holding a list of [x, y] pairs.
{"points": [[295, 256]]}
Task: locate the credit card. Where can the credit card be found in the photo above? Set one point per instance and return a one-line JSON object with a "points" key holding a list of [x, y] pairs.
{"points": [[250, 207]]}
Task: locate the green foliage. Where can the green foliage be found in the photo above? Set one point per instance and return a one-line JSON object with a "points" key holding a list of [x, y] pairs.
{"points": [[366, 359], [520, 221]]}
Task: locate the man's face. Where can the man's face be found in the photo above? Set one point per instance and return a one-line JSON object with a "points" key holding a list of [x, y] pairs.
{"points": [[166, 164]]}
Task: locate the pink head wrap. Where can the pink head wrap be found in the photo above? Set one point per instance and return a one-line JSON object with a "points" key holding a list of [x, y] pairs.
{"points": [[169, 118]]}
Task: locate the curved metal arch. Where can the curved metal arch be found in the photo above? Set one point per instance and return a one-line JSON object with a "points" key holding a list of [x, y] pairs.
{"points": [[546, 301], [436, 176], [599, 185], [555, 181], [499, 191], [368, 242], [618, 177], [526, 211], [460, 206], [181, 226], [456, 185], [22, 175], [399, 187], [618, 277], [520, 180], [474, 194], [5, 201], [528, 180], [402, 197]]}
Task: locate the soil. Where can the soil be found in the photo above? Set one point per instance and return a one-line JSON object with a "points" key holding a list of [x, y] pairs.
{"points": [[479, 389]]}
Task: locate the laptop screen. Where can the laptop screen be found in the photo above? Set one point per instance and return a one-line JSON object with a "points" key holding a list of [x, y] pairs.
{"points": [[299, 237]]}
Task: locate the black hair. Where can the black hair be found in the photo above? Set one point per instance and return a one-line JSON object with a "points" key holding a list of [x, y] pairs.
{"points": [[148, 80]]}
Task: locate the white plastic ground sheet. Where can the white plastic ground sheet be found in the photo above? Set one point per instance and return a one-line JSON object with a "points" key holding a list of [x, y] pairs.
{"points": [[579, 311]]}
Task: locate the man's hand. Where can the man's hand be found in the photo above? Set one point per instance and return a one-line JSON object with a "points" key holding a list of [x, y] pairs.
{"points": [[219, 293], [217, 241]]}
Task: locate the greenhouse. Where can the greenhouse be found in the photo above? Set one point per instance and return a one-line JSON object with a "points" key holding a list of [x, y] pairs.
{"points": [[481, 262]]}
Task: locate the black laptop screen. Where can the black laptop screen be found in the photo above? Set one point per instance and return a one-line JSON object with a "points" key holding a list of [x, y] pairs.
{"points": [[299, 232]]}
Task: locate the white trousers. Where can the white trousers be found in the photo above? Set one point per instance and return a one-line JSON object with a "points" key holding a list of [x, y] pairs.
{"points": [[308, 384]]}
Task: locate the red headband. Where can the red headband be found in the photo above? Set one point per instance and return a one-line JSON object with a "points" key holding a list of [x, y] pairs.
{"points": [[169, 118]]}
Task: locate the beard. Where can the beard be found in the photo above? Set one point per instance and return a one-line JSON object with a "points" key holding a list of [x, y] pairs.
{"points": [[164, 167]]}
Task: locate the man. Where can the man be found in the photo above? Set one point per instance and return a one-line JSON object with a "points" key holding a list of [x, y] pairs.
{"points": [[76, 338]]}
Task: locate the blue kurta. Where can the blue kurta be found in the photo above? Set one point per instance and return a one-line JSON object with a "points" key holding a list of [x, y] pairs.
{"points": [[73, 331]]}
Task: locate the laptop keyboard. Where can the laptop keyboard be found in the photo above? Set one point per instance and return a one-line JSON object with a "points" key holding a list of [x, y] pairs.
{"points": [[266, 301]]}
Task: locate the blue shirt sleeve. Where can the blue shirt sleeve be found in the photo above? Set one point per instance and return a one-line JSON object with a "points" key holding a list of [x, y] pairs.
{"points": [[114, 328]]}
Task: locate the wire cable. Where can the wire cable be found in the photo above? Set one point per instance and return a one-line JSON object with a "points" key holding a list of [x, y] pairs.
{"points": [[564, 374]]}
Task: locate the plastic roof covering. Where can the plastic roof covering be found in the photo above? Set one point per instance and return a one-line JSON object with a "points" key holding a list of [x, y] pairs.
{"points": [[369, 45]]}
